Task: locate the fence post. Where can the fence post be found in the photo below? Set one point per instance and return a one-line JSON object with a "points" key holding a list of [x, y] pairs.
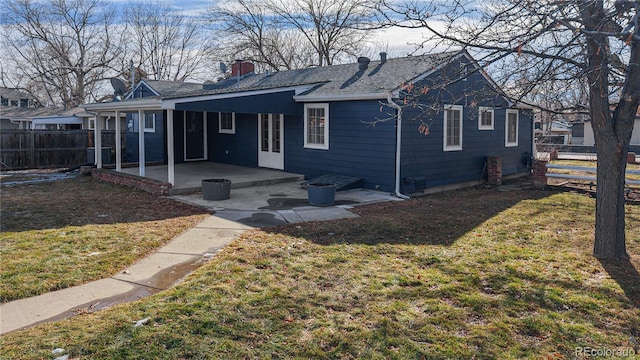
{"points": [[539, 175], [32, 150]]}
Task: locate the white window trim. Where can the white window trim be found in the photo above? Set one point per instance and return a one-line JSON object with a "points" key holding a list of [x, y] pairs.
{"points": [[136, 120], [324, 106], [493, 118], [91, 124], [506, 128], [233, 124], [444, 130], [153, 118]]}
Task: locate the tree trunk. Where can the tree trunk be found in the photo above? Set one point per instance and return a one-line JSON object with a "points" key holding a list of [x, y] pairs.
{"points": [[612, 135], [610, 202]]}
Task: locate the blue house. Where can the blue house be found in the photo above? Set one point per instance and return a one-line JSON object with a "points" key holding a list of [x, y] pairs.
{"points": [[399, 124]]}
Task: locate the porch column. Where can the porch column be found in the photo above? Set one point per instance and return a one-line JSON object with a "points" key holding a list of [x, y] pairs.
{"points": [[141, 159], [118, 143], [204, 127], [170, 150], [98, 141]]}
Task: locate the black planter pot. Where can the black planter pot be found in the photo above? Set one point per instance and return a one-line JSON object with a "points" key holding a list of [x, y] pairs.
{"points": [[321, 194], [216, 189]]}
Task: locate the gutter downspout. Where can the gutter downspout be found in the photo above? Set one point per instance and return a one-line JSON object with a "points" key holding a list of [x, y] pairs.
{"points": [[398, 147]]}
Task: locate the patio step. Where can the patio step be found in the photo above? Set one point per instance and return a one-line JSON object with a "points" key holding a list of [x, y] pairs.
{"points": [[342, 182], [242, 184]]}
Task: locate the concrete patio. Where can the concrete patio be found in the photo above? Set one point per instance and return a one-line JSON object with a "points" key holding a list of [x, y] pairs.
{"points": [[189, 176]]}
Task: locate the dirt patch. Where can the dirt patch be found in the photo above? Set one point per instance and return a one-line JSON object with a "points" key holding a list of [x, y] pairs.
{"points": [[82, 201]]}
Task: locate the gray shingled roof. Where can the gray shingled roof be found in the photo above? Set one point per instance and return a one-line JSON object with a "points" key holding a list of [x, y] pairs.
{"points": [[334, 80], [173, 88], [13, 112]]}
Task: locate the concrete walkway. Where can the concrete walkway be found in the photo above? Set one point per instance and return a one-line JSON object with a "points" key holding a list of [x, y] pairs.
{"points": [[185, 253]]}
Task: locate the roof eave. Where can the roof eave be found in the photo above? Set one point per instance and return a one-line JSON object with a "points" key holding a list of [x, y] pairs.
{"points": [[524, 106], [147, 104], [170, 102], [344, 97]]}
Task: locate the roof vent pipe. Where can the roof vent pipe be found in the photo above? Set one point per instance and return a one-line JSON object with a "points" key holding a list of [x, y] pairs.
{"points": [[363, 62], [383, 57]]}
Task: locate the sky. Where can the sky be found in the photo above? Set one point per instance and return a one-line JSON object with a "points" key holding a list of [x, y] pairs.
{"points": [[397, 42]]}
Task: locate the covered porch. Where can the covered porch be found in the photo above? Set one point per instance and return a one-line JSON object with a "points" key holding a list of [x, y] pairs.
{"points": [[188, 176], [189, 137]]}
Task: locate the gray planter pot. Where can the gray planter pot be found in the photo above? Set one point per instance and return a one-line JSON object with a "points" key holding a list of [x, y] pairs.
{"points": [[216, 189], [321, 194]]}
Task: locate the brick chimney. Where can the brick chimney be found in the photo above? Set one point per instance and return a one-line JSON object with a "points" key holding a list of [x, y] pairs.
{"points": [[241, 68]]}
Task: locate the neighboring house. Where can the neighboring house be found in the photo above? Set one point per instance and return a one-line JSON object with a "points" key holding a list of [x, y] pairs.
{"points": [[53, 118], [559, 132], [336, 120], [10, 100], [15, 98], [577, 133], [589, 140]]}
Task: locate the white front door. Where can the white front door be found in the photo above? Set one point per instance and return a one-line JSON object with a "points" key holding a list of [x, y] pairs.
{"points": [[271, 141]]}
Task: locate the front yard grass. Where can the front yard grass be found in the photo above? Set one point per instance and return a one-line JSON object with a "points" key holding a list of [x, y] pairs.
{"points": [[474, 273], [64, 233]]}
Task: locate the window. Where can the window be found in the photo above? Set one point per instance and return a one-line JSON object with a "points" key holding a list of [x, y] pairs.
{"points": [[92, 124], [227, 123], [485, 118], [511, 128], [149, 122], [316, 126], [452, 128]]}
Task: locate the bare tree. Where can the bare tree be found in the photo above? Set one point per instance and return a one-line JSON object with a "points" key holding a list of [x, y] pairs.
{"points": [[251, 32], [294, 34], [594, 41], [167, 44], [60, 50], [332, 28]]}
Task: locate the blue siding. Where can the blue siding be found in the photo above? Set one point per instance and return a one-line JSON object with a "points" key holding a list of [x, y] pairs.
{"points": [[423, 156], [154, 142], [143, 91], [355, 148], [240, 148]]}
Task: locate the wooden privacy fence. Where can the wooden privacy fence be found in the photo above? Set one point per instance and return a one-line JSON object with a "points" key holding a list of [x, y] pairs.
{"points": [[37, 149]]}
